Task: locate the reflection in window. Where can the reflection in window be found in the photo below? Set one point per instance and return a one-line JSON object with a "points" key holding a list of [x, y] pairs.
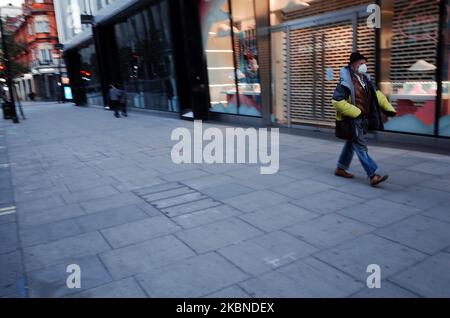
{"points": [[146, 59], [444, 121], [408, 63], [229, 38], [90, 76]]}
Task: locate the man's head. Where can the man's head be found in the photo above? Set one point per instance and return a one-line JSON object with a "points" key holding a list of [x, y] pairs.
{"points": [[358, 63]]}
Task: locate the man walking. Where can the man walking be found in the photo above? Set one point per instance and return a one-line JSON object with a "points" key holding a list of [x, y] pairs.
{"points": [[358, 104]]}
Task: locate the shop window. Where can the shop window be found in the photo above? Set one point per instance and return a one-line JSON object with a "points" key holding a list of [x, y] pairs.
{"points": [[89, 75], [444, 120], [409, 37], [229, 38], [146, 59]]}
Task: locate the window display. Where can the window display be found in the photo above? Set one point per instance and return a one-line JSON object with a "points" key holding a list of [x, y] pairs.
{"points": [[229, 37], [408, 68]]}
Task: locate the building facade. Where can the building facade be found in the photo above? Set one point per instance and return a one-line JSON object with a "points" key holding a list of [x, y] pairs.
{"points": [[38, 32], [267, 62]]}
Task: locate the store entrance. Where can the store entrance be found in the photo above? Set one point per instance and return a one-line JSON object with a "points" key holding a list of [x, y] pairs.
{"points": [[307, 59]]}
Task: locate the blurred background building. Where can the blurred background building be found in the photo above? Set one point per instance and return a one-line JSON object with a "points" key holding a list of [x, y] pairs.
{"points": [[260, 61], [37, 32]]}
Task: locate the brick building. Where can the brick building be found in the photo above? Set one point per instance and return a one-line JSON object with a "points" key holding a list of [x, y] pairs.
{"points": [[39, 32]]}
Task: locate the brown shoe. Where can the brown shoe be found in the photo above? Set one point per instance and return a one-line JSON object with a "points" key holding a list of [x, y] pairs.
{"points": [[377, 179], [344, 174]]}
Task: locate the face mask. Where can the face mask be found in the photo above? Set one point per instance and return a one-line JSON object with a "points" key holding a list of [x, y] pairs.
{"points": [[362, 69]]}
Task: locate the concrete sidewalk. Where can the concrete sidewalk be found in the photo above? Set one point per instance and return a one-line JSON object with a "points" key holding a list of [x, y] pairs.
{"points": [[104, 194]]}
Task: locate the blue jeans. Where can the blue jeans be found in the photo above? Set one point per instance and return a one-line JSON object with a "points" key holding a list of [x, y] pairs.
{"points": [[358, 146]]}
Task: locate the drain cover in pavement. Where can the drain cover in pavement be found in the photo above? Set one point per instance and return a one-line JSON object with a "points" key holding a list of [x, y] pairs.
{"points": [[174, 198]]}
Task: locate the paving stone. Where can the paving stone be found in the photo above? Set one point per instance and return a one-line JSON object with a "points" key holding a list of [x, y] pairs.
{"points": [[407, 178], [267, 252], [8, 238], [47, 254], [256, 200], [227, 190], [42, 233], [379, 212], [116, 201], [355, 256], [136, 183], [192, 278], [272, 219], [219, 234], [90, 194], [51, 215], [125, 288], [387, 290], [110, 218], [82, 186], [440, 212], [442, 184], [303, 188], [33, 195], [8, 218], [329, 230], [419, 197], [361, 189], [431, 167], [51, 282], [41, 204], [419, 232], [272, 181], [182, 199], [308, 278], [190, 207], [11, 277], [142, 257], [167, 194], [185, 175], [229, 292], [208, 182], [138, 231], [158, 188], [207, 216], [429, 278], [328, 202]]}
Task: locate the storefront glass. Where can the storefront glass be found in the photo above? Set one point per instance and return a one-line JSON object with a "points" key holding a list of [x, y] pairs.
{"points": [[89, 75], [409, 40], [146, 59], [308, 55], [444, 121], [229, 38]]}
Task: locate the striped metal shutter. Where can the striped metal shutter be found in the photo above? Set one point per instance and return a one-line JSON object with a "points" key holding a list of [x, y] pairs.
{"points": [[313, 51]]}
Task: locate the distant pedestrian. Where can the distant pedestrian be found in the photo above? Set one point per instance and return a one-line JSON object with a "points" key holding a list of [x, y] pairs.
{"points": [[32, 96], [358, 104], [115, 95], [123, 99]]}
